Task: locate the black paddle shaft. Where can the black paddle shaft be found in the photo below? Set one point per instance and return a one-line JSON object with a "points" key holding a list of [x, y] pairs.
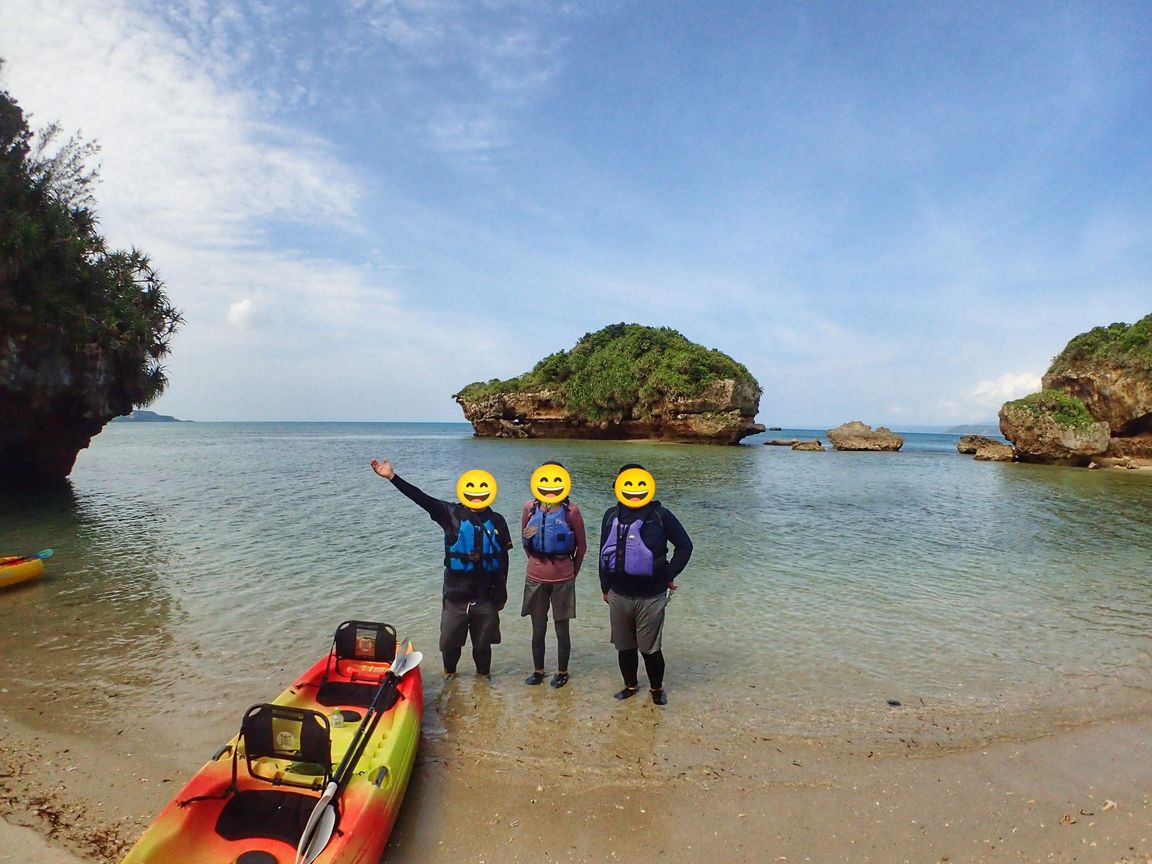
{"points": [[367, 727]]}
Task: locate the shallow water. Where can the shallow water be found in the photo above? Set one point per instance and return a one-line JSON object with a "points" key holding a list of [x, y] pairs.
{"points": [[199, 566]]}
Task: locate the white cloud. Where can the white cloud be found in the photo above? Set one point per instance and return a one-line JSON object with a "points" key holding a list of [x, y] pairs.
{"points": [[1011, 385], [471, 67], [181, 155], [194, 173], [239, 312], [983, 401]]}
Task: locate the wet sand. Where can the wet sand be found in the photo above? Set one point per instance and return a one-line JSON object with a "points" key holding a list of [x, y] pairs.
{"points": [[580, 778]]}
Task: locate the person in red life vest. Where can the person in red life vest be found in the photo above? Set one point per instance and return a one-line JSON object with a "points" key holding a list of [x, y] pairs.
{"points": [[552, 531], [476, 544], [637, 578]]}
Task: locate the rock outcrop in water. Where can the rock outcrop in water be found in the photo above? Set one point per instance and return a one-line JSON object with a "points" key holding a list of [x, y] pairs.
{"points": [[1053, 428], [1096, 406], [984, 449], [814, 445], [860, 436], [624, 381], [969, 444], [995, 451]]}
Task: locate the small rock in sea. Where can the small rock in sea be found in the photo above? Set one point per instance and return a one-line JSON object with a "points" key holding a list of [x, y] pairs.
{"points": [[895, 703]]}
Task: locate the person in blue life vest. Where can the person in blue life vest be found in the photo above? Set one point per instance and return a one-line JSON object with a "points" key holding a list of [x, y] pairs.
{"points": [[476, 544], [636, 577], [552, 533]]}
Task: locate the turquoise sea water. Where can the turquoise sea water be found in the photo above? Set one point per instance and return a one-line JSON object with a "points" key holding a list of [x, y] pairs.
{"points": [[199, 566]]}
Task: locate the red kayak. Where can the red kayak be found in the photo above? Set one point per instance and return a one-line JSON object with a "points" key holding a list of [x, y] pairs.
{"points": [[328, 761]]}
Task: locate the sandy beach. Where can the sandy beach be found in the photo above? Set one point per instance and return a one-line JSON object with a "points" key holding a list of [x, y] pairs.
{"points": [[643, 788]]}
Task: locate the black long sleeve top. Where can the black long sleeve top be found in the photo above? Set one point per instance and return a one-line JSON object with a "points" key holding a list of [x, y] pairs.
{"points": [[449, 515]]}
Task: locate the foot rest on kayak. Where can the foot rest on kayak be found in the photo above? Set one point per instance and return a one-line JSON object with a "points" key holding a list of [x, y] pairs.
{"points": [[369, 648], [283, 745]]}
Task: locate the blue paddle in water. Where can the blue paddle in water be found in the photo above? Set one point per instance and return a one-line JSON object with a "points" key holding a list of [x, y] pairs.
{"points": [[322, 821]]}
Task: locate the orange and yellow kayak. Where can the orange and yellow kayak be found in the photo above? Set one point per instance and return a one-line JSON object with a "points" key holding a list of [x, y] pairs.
{"points": [[251, 802], [15, 569]]}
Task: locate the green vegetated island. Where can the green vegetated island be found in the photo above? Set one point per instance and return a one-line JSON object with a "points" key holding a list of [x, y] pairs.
{"points": [[623, 381]]}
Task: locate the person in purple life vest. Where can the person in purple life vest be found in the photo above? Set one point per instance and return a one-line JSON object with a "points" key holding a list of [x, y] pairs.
{"points": [[636, 577], [552, 531]]}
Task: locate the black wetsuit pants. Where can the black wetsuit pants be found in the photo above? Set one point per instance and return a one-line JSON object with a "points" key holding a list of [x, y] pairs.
{"points": [[563, 642], [653, 665]]}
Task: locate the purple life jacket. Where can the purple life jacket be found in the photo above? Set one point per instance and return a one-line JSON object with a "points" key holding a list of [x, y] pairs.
{"points": [[624, 551]]}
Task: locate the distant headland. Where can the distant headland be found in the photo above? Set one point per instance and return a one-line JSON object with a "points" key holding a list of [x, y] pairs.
{"points": [[988, 428], [140, 416]]}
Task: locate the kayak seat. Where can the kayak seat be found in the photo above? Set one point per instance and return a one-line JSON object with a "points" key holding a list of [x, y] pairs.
{"points": [[364, 644], [286, 746]]}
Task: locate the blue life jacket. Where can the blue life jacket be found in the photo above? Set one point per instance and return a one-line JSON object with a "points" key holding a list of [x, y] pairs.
{"points": [[624, 550], [476, 547], [553, 535]]}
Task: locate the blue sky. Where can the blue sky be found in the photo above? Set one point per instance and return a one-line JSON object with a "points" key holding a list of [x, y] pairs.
{"points": [[891, 212]]}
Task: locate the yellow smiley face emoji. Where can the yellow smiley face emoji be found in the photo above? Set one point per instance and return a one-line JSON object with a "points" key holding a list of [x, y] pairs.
{"points": [[635, 487], [551, 483], [476, 489]]}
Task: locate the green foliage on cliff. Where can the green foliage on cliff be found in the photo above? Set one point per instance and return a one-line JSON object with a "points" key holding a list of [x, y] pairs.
{"points": [[1064, 409], [1126, 345], [73, 313], [622, 371]]}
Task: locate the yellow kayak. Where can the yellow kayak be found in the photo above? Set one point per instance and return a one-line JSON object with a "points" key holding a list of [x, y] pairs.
{"points": [[15, 569]]}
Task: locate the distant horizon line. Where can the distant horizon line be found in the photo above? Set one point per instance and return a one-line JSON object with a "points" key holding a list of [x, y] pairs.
{"points": [[910, 427]]}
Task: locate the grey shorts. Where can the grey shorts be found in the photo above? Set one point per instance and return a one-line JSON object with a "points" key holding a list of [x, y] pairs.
{"points": [[460, 619], [539, 596], [637, 622]]}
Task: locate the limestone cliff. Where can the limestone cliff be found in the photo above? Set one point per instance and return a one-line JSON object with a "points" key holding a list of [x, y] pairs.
{"points": [[1105, 379], [624, 381], [53, 401]]}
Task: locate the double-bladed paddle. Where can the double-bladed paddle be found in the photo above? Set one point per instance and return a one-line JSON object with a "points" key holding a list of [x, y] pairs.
{"points": [[322, 820]]}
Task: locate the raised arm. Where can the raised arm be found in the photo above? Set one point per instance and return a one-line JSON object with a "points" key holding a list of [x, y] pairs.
{"points": [[438, 510]]}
